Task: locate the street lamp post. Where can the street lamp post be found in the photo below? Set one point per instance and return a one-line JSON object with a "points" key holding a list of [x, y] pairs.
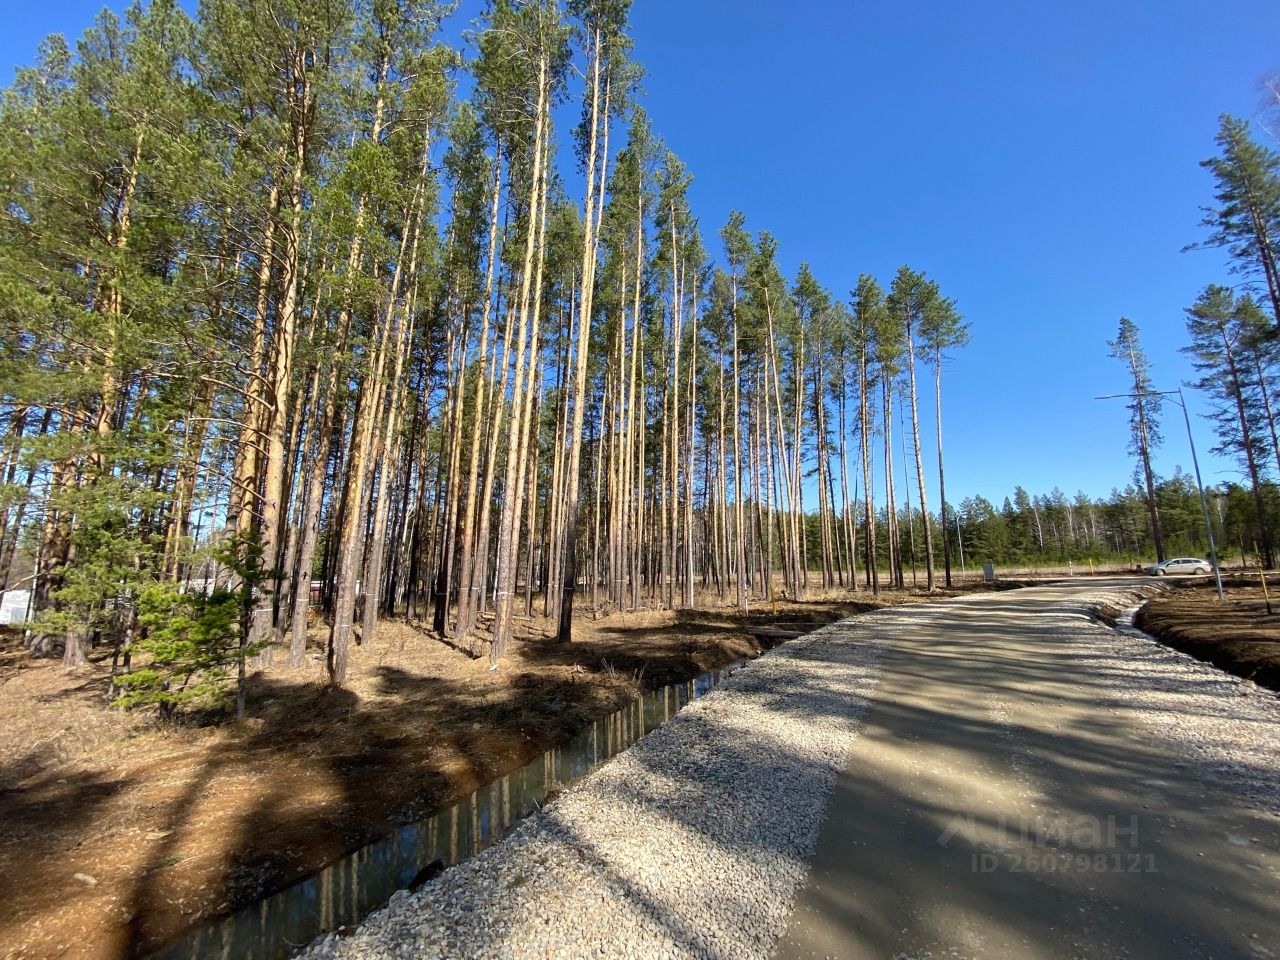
{"points": [[1195, 462]]}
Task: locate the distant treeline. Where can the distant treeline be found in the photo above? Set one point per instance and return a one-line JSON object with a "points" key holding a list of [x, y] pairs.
{"points": [[1052, 529]]}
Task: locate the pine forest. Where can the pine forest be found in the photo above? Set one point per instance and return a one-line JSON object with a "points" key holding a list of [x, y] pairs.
{"points": [[371, 324]]}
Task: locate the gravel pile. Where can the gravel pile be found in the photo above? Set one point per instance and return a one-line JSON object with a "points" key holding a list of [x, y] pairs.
{"points": [[692, 843]]}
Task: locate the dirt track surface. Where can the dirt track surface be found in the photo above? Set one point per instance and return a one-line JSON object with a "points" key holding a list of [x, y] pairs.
{"points": [[1027, 784], [1237, 634]]}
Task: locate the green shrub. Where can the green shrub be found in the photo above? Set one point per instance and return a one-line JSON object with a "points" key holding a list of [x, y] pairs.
{"points": [[187, 652]]}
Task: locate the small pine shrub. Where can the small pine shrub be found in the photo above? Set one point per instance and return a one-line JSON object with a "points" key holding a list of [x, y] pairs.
{"points": [[187, 651]]}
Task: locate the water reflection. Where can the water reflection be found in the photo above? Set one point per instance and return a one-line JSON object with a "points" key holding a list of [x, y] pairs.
{"points": [[349, 889]]}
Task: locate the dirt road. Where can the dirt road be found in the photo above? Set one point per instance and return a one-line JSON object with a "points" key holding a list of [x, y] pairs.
{"points": [[1027, 785]]}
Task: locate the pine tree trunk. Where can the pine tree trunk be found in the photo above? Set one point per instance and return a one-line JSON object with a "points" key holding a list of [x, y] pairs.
{"points": [[555, 524], [868, 489], [531, 493], [449, 538], [509, 521], [740, 560], [1265, 395], [673, 416], [891, 501], [847, 505], [906, 483], [633, 494], [1144, 453], [723, 545], [915, 434], [354, 518], [593, 197], [942, 483], [243, 503], [263, 629], [467, 577], [376, 548], [1239, 393], [691, 438]]}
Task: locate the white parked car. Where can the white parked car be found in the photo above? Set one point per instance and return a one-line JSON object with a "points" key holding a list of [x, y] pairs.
{"points": [[1190, 565]]}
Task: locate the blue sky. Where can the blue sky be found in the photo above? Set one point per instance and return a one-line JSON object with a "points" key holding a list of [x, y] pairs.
{"points": [[1039, 160]]}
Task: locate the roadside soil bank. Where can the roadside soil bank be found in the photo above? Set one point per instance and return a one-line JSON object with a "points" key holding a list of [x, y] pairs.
{"points": [[117, 832], [1236, 635]]}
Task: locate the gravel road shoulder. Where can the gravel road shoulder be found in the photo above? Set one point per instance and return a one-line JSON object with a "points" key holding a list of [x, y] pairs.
{"points": [[690, 844], [1229, 725]]}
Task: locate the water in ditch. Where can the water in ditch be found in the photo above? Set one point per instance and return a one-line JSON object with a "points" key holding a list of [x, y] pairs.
{"points": [[1124, 622], [349, 889]]}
